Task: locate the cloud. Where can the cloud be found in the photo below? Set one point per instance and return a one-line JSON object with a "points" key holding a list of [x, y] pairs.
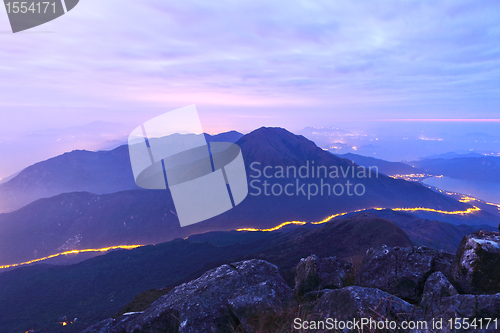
{"points": [[418, 55]]}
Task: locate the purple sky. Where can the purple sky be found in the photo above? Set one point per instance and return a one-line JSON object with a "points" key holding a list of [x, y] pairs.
{"points": [[251, 63]]}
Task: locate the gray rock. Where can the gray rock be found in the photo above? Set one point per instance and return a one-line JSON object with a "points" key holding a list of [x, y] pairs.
{"points": [[401, 271], [109, 325], [358, 302], [244, 294], [101, 327], [476, 268], [467, 306], [314, 295], [313, 273], [437, 287]]}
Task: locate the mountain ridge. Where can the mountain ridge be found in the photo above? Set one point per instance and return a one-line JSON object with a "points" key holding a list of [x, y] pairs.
{"points": [[85, 220]]}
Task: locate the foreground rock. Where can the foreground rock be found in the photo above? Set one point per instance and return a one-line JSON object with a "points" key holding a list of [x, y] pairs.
{"points": [[467, 306], [244, 294], [401, 271], [392, 284], [436, 289], [313, 273], [476, 268], [358, 302]]}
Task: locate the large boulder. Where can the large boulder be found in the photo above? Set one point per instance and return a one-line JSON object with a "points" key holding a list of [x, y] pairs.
{"points": [[355, 303], [476, 268], [313, 273], [401, 271], [436, 289], [467, 306], [244, 294]]}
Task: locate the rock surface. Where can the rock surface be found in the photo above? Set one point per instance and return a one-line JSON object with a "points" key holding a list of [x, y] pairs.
{"points": [[436, 289], [313, 273], [242, 294], [392, 284], [467, 306], [401, 271], [358, 302], [476, 268]]}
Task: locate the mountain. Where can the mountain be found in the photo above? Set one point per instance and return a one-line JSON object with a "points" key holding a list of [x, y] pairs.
{"points": [[451, 154], [485, 168], [84, 220], [231, 136], [36, 297], [98, 172], [385, 167], [80, 170], [438, 235]]}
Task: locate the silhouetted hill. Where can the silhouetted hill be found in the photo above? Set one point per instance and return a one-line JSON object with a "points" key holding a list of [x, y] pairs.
{"points": [[80, 170], [385, 167], [438, 235], [231, 136], [485, 168], [343, 238], [451, 154], [98, 172], [81, 220]]}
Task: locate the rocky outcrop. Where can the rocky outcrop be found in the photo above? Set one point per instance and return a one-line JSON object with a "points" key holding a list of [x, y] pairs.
{"points": [[476, 268], [358, 302], [436, 291], [401, 271], [313, 273], [244, 294], [466, 306], [392, 284]]}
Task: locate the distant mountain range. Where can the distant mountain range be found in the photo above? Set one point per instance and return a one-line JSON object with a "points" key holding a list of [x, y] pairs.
{"points": [[484, 168], [98, 172], [385, 167], [79, 220], [451, 154]]}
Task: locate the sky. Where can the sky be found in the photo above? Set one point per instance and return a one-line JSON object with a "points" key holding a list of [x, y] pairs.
{"points": [[247, 64]]}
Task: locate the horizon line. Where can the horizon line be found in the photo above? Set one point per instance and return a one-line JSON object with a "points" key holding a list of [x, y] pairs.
{"points": [[445, 120]]}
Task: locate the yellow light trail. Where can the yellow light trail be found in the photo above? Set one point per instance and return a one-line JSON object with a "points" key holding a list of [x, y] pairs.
{"points": [[329, 218], [422, 209], [275, 228], [105, 249], [466, 198], [493, 204]]}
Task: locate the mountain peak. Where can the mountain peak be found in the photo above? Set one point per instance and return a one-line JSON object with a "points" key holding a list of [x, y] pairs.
{"points": [[277, 146]]}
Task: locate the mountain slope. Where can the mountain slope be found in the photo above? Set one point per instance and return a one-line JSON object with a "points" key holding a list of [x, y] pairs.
{"points": [[485, 168], [35, 297], [98, 172], [385, 167], [82, 220]]}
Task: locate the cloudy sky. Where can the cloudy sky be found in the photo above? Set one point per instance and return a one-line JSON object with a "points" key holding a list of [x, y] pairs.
{"points": [[251, 63]]}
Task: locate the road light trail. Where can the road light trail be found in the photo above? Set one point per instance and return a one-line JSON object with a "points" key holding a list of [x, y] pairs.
{"points": [[105, 249]]}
